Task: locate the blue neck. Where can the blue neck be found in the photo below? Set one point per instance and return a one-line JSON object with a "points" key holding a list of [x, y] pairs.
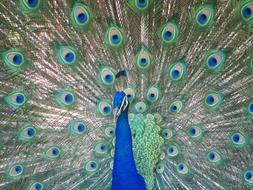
{"points": [[125, 174]]}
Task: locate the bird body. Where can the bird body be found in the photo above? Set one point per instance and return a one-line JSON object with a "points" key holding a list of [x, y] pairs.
{"points": [[184, 68], [125, 174]]}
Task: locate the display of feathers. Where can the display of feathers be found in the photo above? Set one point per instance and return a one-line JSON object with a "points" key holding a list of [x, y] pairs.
{"points": [[187, 71]]}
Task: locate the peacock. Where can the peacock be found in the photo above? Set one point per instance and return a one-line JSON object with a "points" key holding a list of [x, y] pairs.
{"points": [[126, 94]]}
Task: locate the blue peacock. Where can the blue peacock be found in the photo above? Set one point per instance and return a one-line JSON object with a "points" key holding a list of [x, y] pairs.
{"points": [[126, 94]]}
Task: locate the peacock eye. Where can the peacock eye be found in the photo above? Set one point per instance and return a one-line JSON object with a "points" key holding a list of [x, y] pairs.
{"points": [[53, 153], [15, 99], [110, 132], [91, 166], [29, 5], [160, 167], [130, 93], [204, 16], [64, 98], [195, 132], [153, 94], [177, 71], [107, 76], [114, 37], [182, 169], [215, 60], [143, 59], [76, 127], [141, 4], [102, 149], [15, 171], [27, 133], [167, 133], [169, 33], [214, 157], [140, 107], [213, 100], [247, 11], [13, 59], [176, 106], [36, 186], [172, 151], [81, 16], [104, 108], [32, 3], [66, 55], [250, 108], [238, 139], [248, 177]]}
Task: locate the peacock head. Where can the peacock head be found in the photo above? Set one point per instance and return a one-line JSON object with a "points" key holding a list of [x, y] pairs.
{"points": [[120, 103]]}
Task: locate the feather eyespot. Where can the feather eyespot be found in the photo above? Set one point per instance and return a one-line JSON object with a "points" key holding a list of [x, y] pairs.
{"points": [[143, 59], [247, 12], [65, 98], [213, 100], [13, 59], [81, 16], [141, 3], [153, 94], [104, 108], [102, 149], [172, 151], [27, 133], [248, 177], [140, 107], [167, 133], [15, 171], [29, 5], [107, 76], [160, 167], [195, 132], [77, 128], [239, 139], [176, 106], [66, 55], [53, 153], [250, 108], [169, 33], [110, 132], [115, 37], [36, 186], [214, 157], [215, 60], [183, 169], [91, 166], [177, 71], [204, 15], [130, 93], [16, 99], [140, 6]]}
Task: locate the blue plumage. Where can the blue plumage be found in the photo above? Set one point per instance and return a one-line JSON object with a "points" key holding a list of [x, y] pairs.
{"points": [[125, 175]]}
